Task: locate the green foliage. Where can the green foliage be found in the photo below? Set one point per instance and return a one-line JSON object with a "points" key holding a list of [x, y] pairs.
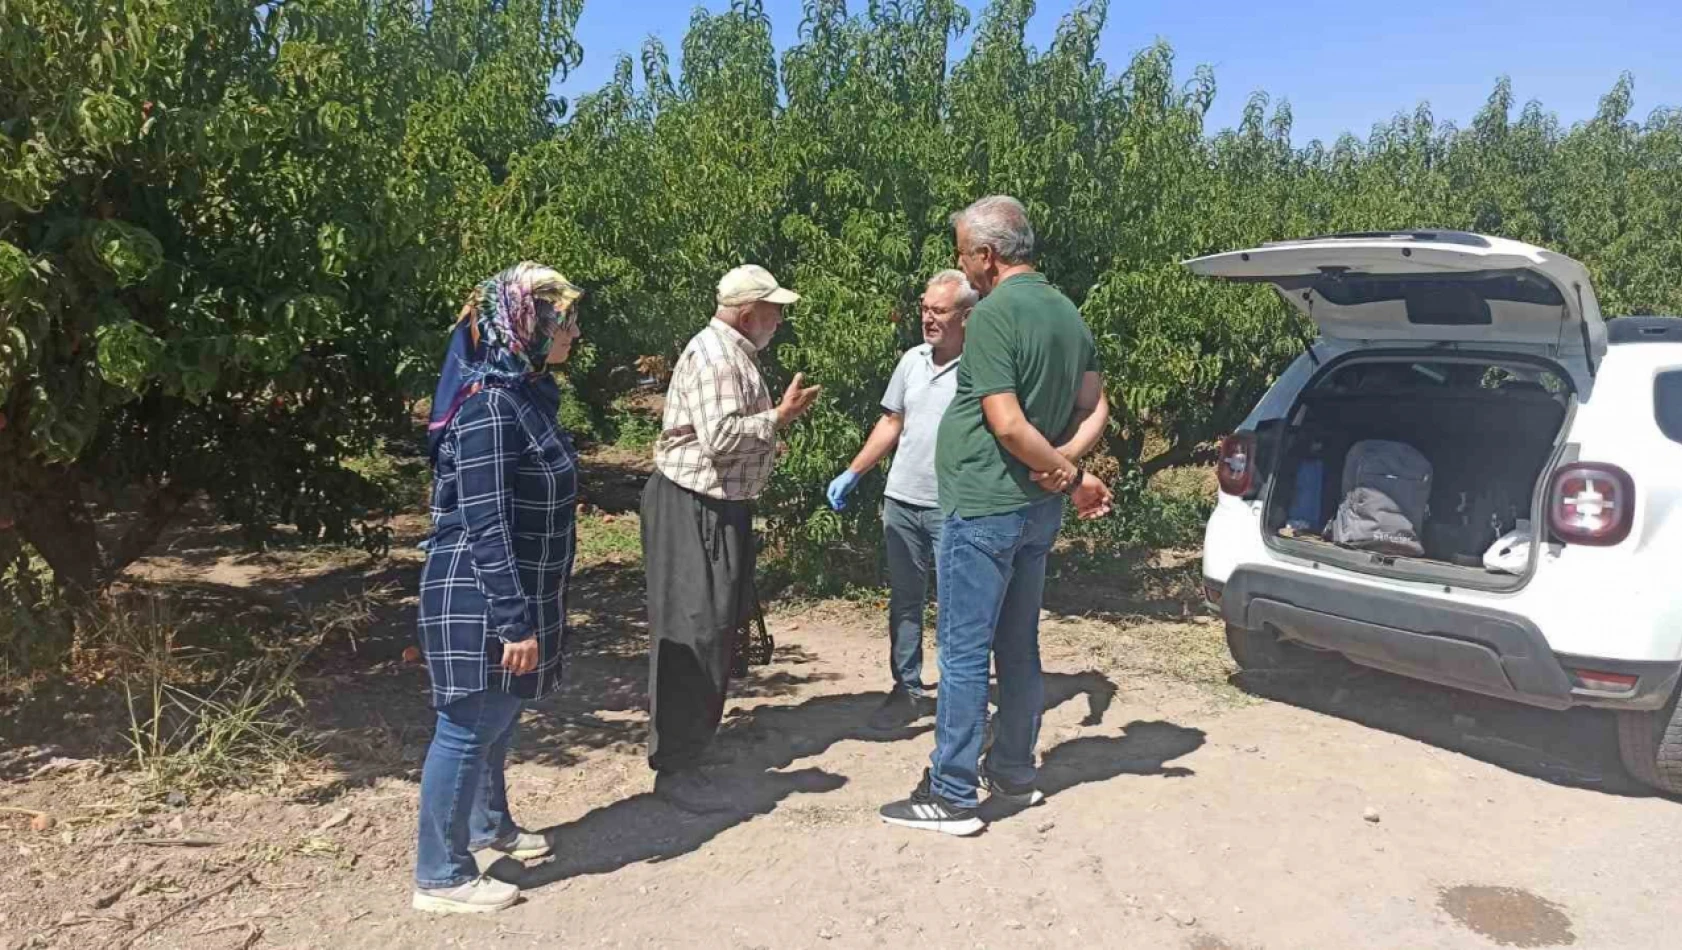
{"points": [[843, 186], [1147, 515], [129, 253], [232, 234], [576, 416], [231, 237], [632, 428]]}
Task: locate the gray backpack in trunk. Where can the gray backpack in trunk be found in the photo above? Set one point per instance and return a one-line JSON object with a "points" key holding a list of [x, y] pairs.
{"points": [[1386, 488]]}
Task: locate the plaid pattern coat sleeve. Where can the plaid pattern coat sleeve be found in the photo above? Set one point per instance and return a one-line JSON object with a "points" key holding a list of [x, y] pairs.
{"points": [[501, 553], [490, 444]]}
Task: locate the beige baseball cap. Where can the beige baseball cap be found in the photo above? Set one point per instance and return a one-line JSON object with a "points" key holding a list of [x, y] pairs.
{"points": [[750, 283]]}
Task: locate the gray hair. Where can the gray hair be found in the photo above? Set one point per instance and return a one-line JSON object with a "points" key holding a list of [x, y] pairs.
{"points": [[967, 298], [1001, 223]]}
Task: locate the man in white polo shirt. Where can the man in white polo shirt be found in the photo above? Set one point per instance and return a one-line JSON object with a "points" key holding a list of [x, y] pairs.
{"points": [[917, 395]]}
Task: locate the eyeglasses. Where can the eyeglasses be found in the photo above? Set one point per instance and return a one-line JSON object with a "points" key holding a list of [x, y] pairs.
{"points": [[929, 311]]}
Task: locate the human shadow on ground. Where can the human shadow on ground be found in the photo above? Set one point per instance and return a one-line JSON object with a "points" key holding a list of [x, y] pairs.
{"points": [[759, 745], [375, 721], [756, 746], [1099, 690], [1144, 748], [1577, 748]]}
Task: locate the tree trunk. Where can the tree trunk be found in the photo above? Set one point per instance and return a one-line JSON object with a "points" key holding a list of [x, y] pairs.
{"points": [[52, 517], [155, 515]]}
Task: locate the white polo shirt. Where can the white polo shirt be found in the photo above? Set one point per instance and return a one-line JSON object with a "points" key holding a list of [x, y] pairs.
{"points": [[918, 393]]}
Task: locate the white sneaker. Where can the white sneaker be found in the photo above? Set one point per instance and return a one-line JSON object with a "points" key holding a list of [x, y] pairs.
{"points": [[481, 895], [525, 846]]}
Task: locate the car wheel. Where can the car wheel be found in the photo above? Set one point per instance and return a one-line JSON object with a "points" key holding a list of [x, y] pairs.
{"points": [[1650, 744], [1259, 651]]}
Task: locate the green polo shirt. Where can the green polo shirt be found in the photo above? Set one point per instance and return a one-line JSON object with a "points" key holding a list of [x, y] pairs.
{"points": [[1024, 338]]}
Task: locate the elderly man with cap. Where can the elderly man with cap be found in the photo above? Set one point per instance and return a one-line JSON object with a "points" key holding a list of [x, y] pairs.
{"points": [[715, 453]]}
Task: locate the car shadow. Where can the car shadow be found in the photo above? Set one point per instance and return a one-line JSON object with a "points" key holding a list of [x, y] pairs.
{"points": [[1577, 748]]}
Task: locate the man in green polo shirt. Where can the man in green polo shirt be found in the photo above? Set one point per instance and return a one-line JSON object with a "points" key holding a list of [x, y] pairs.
{"points": [[1029, 404]]}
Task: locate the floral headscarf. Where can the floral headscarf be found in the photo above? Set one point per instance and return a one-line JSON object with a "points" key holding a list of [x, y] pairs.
{"points": [[501, 338]]}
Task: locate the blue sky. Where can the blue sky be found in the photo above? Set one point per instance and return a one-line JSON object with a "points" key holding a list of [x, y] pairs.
{"points": [[1342, 65]]}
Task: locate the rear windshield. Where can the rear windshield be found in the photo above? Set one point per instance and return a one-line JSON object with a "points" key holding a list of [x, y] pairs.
{"points": [[1431, 301], [1450, 377], [1667, 404]]}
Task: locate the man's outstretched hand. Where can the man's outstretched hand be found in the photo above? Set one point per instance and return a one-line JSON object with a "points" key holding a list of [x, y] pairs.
{"points": [[797, 400]]}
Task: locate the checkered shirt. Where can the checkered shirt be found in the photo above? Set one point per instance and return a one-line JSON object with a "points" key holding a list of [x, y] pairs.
{"points": [[503, 497], [719, 437]]}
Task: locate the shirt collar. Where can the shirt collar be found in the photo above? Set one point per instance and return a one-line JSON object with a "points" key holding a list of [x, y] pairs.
{"points": [[735, 336], [937, 371], [1027, 277]]}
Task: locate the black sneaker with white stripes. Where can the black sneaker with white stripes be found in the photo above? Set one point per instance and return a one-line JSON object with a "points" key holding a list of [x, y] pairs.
{"points": [[1023, 796], [927, 811]]}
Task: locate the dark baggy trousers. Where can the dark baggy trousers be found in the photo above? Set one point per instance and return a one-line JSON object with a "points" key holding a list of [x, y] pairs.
{"points": [[699, 556]]}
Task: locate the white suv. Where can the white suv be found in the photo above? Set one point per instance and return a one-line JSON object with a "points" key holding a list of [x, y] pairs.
{"points": [[1541, 423]]}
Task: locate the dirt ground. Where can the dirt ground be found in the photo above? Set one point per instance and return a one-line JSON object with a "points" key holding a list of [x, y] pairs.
{"points": [[1354, 809]]}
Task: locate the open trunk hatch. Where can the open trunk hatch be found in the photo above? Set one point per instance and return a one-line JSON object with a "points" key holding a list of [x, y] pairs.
{"points": [[1429, 287]]}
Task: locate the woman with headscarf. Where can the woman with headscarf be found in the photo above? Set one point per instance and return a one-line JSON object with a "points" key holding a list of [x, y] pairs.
{"points": [[493, 591]]}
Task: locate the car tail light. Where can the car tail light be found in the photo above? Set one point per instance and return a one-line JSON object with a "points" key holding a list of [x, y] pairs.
{"points": [[1591, 504], [1236, 470], [1602, 682], [1212, 591]]}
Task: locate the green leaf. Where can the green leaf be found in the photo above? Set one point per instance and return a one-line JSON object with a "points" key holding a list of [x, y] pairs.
{"points": [[130, 253], [129, 355], [15, 272]]}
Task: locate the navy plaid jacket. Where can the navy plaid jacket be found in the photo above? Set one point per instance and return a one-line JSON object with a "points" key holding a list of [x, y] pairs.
{"points": [[504, 489]]}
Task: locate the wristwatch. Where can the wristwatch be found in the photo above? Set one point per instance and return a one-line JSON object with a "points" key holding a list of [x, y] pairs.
{"points": [[1074, 483]]}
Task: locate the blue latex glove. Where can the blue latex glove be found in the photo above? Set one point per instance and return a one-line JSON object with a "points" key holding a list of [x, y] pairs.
{"points": [[842, 487]]}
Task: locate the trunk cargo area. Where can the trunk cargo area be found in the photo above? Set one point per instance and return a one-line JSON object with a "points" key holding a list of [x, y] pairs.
{"points": [[1488, 447]]}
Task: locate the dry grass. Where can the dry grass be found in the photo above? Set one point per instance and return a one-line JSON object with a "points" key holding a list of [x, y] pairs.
{"points": [[1143, 618], [1196, 481], [200, 719], [1192, 652], [1139, 612]]}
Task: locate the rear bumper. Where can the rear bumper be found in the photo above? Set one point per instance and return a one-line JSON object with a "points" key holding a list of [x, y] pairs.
{"points": [[1460, 645]]}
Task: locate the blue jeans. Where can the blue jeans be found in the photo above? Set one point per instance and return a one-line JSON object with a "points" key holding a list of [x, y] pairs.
{"points": [[463, 798], [911, 535], [992, 579]]}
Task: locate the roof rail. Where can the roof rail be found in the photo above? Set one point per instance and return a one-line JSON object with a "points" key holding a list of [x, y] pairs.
{"points": [[1465, 238]]}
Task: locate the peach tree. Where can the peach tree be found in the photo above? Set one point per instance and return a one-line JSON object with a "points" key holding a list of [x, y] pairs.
{"points": [[231, 234]]}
